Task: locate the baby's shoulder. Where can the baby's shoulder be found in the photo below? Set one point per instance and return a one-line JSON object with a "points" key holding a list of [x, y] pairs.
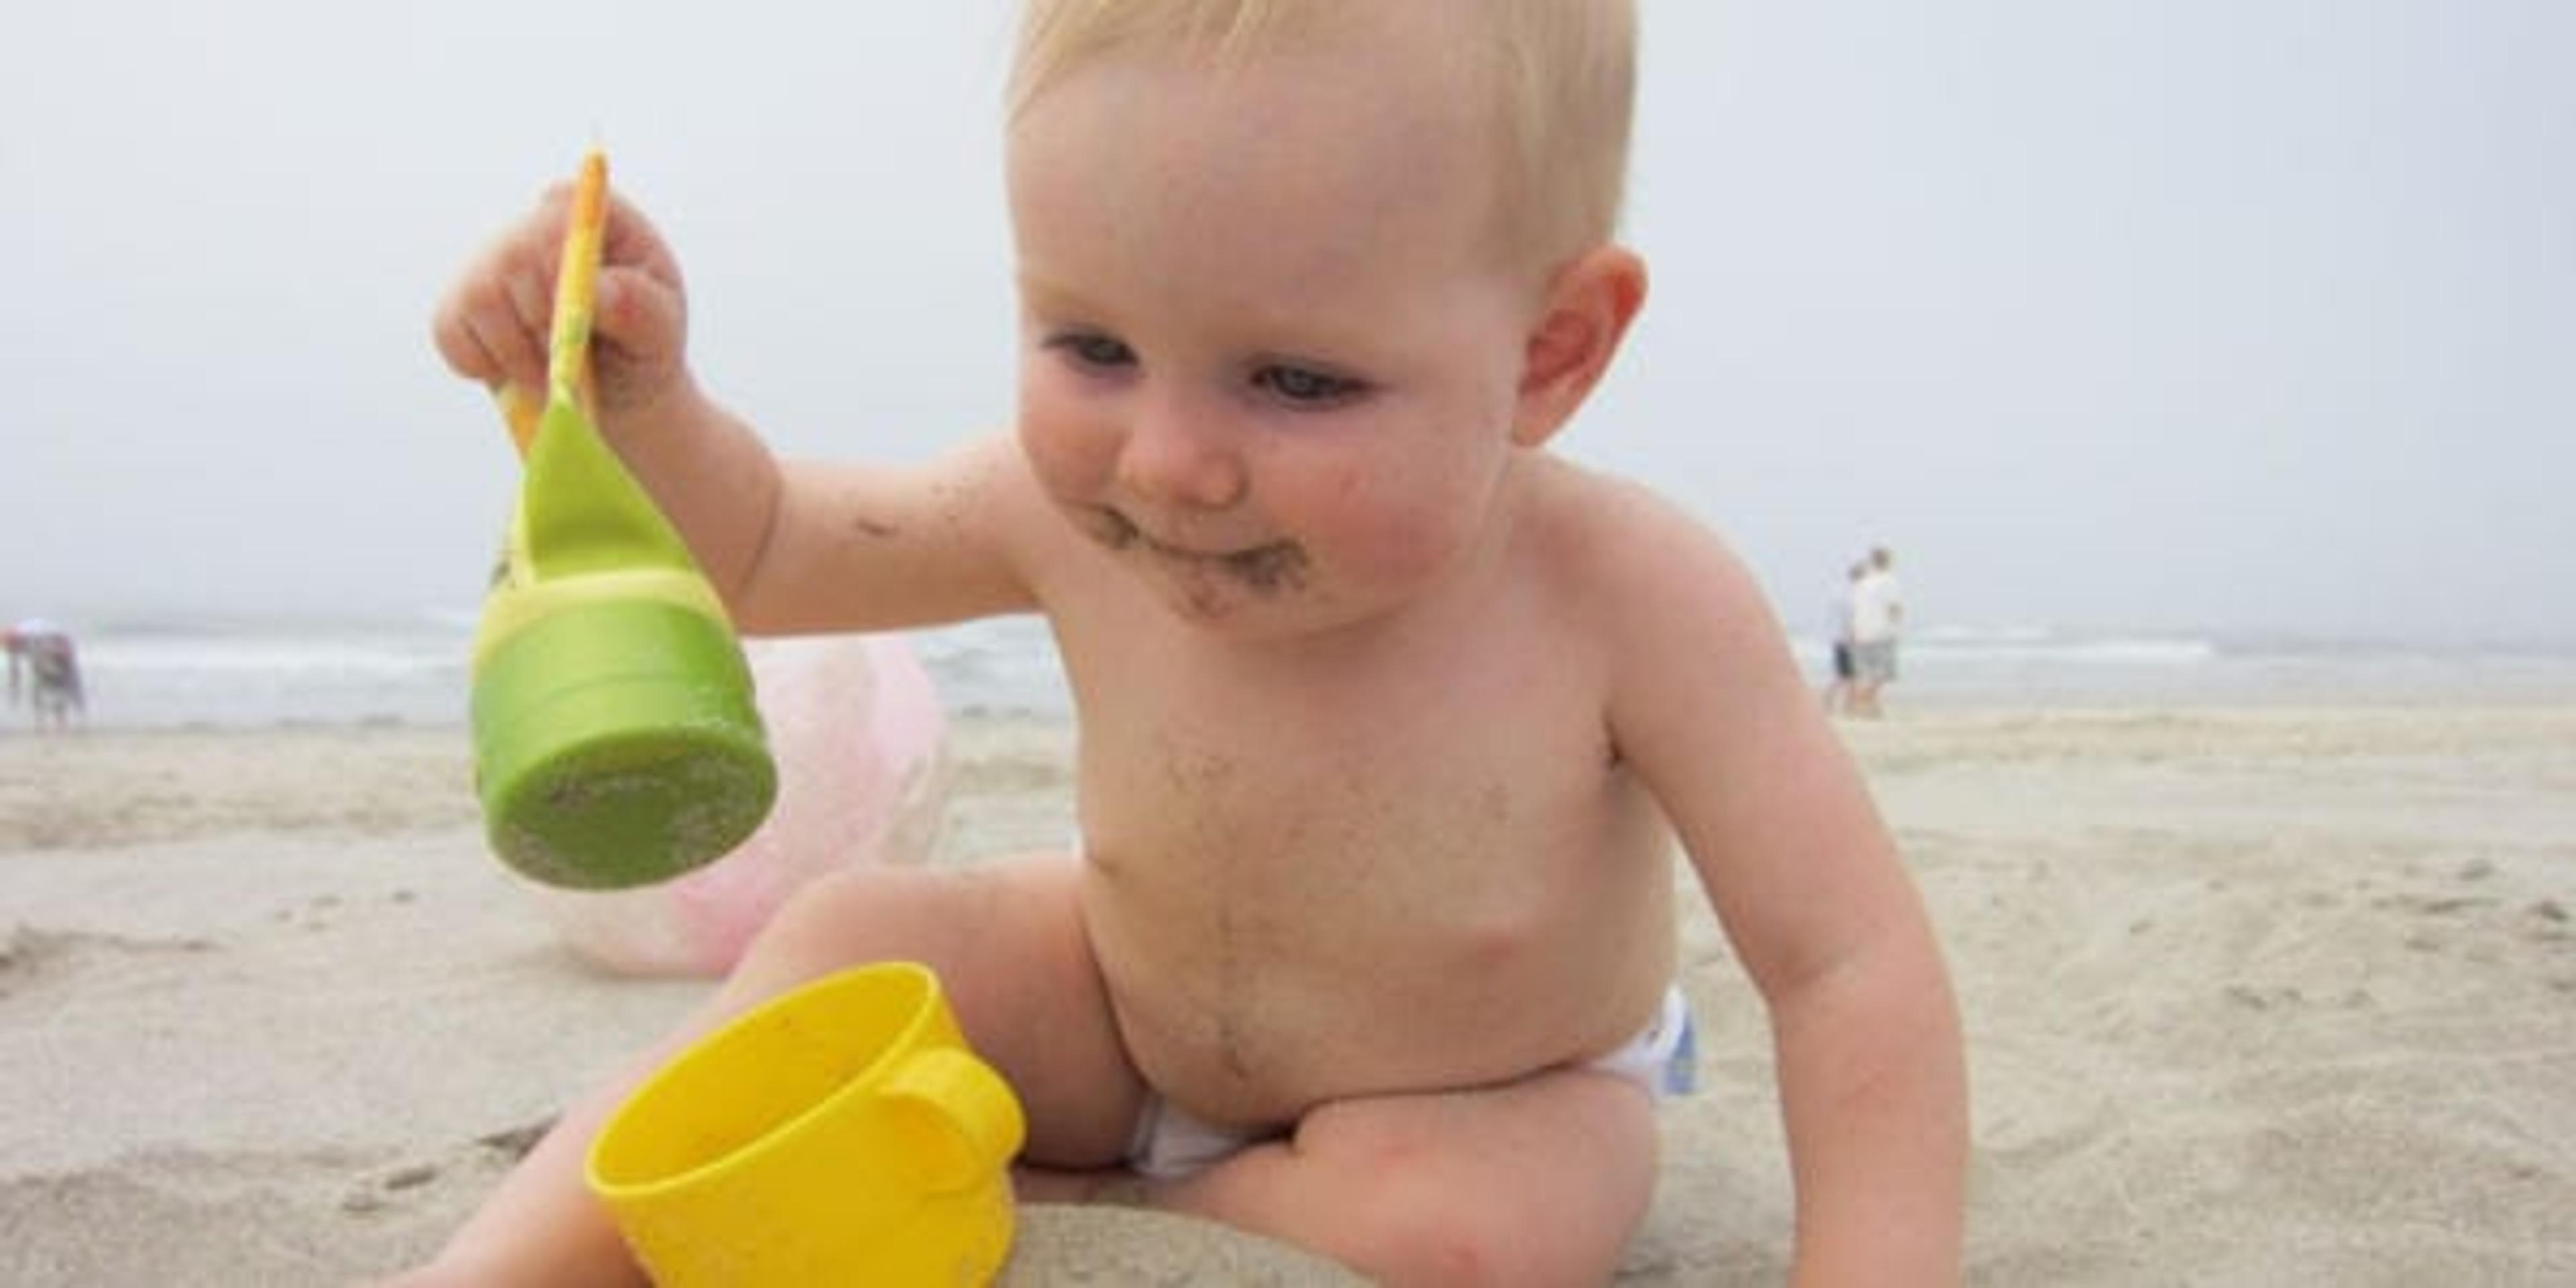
{"points": [[1615, 533]]}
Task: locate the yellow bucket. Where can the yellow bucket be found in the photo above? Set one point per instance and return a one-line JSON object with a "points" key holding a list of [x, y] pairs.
{"points": [[842, 1133]]}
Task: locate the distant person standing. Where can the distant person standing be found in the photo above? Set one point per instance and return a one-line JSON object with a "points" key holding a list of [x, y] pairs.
{"points": [[1838, 693], [52, 665], [1877, 617]]}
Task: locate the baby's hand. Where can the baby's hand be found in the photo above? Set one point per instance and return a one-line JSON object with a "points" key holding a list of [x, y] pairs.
{"points": [[492, 326]]}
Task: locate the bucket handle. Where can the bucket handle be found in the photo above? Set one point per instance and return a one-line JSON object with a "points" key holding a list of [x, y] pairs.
{"points": [[958, 1118]]}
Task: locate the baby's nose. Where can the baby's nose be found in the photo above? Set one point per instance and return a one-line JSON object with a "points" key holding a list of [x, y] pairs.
{"points": [[1183, 456]]}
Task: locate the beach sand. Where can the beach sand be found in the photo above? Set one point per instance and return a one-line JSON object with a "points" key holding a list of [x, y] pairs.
{"points": [[2254, 996]]}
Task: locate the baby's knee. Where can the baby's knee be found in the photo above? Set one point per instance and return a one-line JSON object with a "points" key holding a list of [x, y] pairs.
{"points": [[1545, 1187], [980, 927], [850, 917], [836, 905], [1434, 1244], [1419, 1229], [1432, 1238]]}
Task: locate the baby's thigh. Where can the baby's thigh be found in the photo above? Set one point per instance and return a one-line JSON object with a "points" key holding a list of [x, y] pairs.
{"points": [[1541, 1181], [1007, 942]]}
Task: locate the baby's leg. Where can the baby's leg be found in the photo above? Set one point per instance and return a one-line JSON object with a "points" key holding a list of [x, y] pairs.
{"points": [[1538, 1182], [1007, 942]]}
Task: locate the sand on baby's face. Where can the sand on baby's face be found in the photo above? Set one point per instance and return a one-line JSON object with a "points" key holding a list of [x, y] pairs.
{"points": [[2253, 996]]}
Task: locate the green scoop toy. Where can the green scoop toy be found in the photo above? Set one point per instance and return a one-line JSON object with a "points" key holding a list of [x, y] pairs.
{"points": [[616, 742]]}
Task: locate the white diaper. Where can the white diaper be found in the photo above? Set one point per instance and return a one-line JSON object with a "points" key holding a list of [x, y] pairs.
{"points": [[1663, 1060], [1169, 1143]]}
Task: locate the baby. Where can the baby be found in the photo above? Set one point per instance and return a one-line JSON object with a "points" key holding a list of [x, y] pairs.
{"points": [[1390, 720]]}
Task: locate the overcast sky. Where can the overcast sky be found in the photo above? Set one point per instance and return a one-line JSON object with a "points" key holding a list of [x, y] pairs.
{"points": [[2181, 316]]}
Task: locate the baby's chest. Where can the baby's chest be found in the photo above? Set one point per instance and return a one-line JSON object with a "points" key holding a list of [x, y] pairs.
{"points": [[1295, 812]]}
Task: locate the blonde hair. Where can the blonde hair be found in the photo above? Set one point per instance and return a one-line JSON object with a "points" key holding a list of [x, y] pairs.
{"points": [[1563, 75]]}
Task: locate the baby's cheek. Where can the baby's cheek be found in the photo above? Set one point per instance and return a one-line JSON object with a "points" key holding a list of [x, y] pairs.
{"points": [[1071, 458], [1407, 543]]}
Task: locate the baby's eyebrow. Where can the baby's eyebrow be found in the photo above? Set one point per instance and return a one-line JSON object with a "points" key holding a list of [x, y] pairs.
{"points": [[1040, 294]]}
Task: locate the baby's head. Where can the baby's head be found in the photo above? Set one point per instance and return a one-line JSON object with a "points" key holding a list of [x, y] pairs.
{"points": [[1299, 279], [1555, 77]]}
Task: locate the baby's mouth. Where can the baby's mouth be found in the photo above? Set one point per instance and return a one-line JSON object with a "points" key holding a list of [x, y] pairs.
{"points": [[1268, 568]]}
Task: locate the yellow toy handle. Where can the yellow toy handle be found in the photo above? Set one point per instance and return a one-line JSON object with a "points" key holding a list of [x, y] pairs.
{"points": [[522, 413], [963, 1122], [568, 374]]}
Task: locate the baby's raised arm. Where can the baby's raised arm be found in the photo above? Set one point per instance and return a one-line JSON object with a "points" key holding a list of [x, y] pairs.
{"points": [[1717, 722]]}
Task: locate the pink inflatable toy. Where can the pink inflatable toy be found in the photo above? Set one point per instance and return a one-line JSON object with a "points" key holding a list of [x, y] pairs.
{"points": [[860, 742]]}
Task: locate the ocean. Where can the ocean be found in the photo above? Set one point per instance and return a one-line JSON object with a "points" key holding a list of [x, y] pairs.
{"points": [[162, 674], [178, 673]]}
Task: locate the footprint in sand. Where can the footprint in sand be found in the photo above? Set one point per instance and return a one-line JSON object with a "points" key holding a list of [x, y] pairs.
{"points": [[2546, 922], [376, 1194], [36, 956], [492, 1152]]}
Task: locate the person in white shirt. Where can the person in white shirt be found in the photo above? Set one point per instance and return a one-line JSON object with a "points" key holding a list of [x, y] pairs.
{"points": [[1877, 617]]}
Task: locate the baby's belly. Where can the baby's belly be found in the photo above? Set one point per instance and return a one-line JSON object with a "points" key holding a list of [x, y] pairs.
{"points": [[1251, 1009]]}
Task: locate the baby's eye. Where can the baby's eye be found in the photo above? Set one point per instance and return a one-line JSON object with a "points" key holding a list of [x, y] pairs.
{"points": [[1304, 386], [1092, 349]]}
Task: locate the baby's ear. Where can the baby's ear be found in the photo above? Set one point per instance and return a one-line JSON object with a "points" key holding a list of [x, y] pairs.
{"points": [[1587, 311]]}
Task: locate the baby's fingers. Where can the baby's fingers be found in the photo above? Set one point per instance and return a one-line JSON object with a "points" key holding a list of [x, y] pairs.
{"points": [[494, 326], [491, 327], [638, 339]]}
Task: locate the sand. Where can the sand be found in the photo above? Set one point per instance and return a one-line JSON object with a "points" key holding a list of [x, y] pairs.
{"points": [[2254, 996]]}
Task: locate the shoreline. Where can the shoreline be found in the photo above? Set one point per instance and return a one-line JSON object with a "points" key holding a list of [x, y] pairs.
{"points": [[2255, 994], [262, 675]]}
